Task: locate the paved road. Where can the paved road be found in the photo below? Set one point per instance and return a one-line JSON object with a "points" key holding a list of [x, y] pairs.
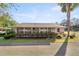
{"points": [[72, 49], [54, 49], [68, 49], [40, 49], [32, 50]]}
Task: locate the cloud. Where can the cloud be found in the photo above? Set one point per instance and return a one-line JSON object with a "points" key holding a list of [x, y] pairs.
{"points": [[48, 15], [37, 16], [25, 15], [31, 15], [56, 8], [76, 16]]}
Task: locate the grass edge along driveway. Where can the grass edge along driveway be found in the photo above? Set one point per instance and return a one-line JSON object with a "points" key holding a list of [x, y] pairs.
{"points": [[23, 40]]}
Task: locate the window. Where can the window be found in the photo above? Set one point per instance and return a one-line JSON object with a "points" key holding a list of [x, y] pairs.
{"points": [[49, 29], [58, 30]]}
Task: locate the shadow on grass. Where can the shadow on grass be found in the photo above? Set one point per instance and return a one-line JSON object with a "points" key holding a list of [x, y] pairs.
{"points": [[62, 49]]}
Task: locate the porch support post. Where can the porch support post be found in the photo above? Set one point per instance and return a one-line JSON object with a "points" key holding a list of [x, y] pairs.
{"points": [[47, 29], [39, 30], [31, 30]]}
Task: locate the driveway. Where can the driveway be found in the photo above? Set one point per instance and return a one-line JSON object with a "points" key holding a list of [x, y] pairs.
{"points": [[68, 49], [30, 50], [73, 49], [54, 49]]}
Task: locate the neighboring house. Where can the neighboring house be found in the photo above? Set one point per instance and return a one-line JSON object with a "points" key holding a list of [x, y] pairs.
{"points": [[29, 29]]}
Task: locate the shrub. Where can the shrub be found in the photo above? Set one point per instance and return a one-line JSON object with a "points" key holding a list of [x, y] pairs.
{"points": [[2, 34], [72, 36], [9, 34], [52, 35], [59, 36]]}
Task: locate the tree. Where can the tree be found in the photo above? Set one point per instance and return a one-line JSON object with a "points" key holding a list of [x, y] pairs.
{"points": [[63, 22], [74, 22], [6, 21], [5, 18], [67, 8], [5, 6]]}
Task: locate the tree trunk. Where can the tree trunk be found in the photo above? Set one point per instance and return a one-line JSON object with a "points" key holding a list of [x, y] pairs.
{"points": [[68, 19]]}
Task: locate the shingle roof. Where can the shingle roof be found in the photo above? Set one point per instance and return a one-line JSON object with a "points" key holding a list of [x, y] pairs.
{"points": [[37, 25]]}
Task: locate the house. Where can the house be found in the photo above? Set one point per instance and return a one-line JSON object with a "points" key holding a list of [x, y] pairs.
{"points": [[34, 29]]}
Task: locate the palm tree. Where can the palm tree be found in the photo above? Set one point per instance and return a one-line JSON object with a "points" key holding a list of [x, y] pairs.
{"points": [[67, 8]]}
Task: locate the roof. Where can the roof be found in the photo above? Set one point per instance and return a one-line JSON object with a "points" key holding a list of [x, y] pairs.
{"points": [[37, 25]]}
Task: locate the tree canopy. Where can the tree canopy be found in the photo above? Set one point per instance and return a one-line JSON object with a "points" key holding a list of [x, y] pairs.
{"points": [[6, 21], [5, 18], [72, 6]]}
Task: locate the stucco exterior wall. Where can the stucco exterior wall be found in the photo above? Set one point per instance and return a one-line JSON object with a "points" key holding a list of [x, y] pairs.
{"points": [[62, 30]]}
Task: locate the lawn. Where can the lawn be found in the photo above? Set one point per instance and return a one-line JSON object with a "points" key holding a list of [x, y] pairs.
{"points": [[69, 40], [23, 40], [76, 39]]}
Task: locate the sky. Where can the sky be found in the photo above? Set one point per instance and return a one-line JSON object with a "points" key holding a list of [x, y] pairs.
{"points": [[39, 13]]}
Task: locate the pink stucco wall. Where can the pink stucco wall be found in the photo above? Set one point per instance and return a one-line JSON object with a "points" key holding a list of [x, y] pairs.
{"points": [[61, 30]]}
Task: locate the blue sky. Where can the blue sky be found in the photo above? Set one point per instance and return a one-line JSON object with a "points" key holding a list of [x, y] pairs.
{"points": [[39, 13]]}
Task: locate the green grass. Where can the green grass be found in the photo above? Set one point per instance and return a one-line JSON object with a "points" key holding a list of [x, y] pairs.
{"points": [[76, 39], [23, 40], [69, 40]]}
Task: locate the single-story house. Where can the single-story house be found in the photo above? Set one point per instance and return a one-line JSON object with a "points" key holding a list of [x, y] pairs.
{"points": [[29, 29]]}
